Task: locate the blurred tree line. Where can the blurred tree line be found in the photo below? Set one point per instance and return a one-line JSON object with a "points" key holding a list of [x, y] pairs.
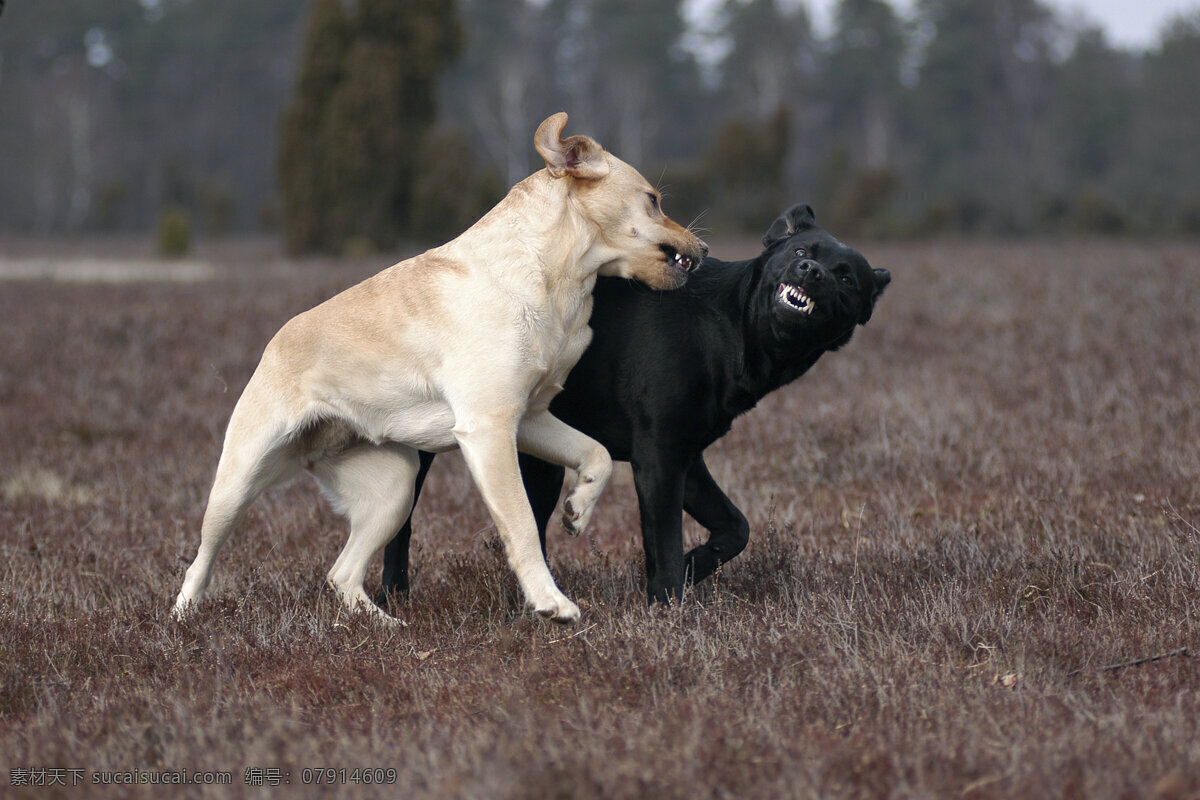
{"points": [[114, 111], [346, 123]]}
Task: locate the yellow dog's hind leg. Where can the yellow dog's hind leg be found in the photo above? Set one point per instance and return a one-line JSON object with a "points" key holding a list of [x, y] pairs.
{"points": [[255, 457], [373, 485]]}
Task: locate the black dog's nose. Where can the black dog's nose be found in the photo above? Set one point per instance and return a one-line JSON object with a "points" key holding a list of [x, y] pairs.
{"points": [[811, 269]]}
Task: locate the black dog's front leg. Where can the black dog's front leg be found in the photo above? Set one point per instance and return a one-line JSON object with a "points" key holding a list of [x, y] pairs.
{"points": [[727, 526], [659, 484]]}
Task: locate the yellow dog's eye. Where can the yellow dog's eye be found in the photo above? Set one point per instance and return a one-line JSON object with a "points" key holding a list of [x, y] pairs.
{"points": [[653, 201]]}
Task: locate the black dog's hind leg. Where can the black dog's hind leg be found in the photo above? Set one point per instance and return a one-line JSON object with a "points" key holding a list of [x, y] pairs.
{"points": [[659, 484], [543, 485], [395, 555], [728, 529]]}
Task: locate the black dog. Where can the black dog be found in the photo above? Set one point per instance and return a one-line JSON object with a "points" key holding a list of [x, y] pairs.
{"points": [[667, 372]]}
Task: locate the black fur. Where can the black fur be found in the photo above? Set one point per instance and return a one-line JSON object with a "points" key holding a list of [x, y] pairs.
{"points": [[667, 373]]}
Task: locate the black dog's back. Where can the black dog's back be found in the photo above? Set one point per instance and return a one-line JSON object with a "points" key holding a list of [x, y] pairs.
{"points": [[667, 373]]}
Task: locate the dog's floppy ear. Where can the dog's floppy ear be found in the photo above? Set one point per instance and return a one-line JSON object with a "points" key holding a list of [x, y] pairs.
{"points": [[796, 218], [578, 156], [882, 279]]}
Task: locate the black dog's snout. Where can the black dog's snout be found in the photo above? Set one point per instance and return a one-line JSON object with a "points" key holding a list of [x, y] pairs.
{"points": [[811, 270]]}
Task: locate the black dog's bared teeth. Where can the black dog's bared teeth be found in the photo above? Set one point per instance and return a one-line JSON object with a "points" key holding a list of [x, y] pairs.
{"points": [[796, 298]]}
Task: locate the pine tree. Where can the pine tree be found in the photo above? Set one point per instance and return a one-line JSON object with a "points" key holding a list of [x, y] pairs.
{"points": [[863, 79], [1162, 170], [307, 187], [351, 138], [981, 99]]}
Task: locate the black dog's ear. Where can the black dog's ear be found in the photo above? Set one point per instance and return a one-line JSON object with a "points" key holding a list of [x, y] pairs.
{"points": [[882, 279], [796, 218]]}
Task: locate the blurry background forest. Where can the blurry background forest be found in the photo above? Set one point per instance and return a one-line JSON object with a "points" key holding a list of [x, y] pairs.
{"points": [[371, 123]]}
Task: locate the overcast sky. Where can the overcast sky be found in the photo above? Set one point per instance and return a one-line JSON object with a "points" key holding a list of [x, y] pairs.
{"points": [[1128, 23]]}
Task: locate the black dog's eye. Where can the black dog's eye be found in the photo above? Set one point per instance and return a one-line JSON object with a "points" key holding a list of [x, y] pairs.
{"points": [[801, 252], [846, 279]]}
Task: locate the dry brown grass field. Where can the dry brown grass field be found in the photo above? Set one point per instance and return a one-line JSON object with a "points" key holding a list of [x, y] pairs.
{"points": [[966, 526]]}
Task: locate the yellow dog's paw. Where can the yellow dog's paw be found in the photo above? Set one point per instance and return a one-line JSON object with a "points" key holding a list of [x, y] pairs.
{"points": [[576, 514], [560, 610]]}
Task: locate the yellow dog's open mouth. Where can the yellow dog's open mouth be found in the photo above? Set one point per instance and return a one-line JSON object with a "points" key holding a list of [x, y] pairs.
{"points": [[677, 258]]}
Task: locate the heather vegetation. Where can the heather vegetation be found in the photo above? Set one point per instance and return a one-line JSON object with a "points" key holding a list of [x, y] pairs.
{"points": [[967, 527]]}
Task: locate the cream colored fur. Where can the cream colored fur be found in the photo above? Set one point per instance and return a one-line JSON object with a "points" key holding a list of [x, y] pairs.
{"points": [[463, 346]]}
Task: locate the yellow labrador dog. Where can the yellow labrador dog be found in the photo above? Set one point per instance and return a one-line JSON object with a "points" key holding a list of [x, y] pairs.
{"points": [[463, 346]]}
